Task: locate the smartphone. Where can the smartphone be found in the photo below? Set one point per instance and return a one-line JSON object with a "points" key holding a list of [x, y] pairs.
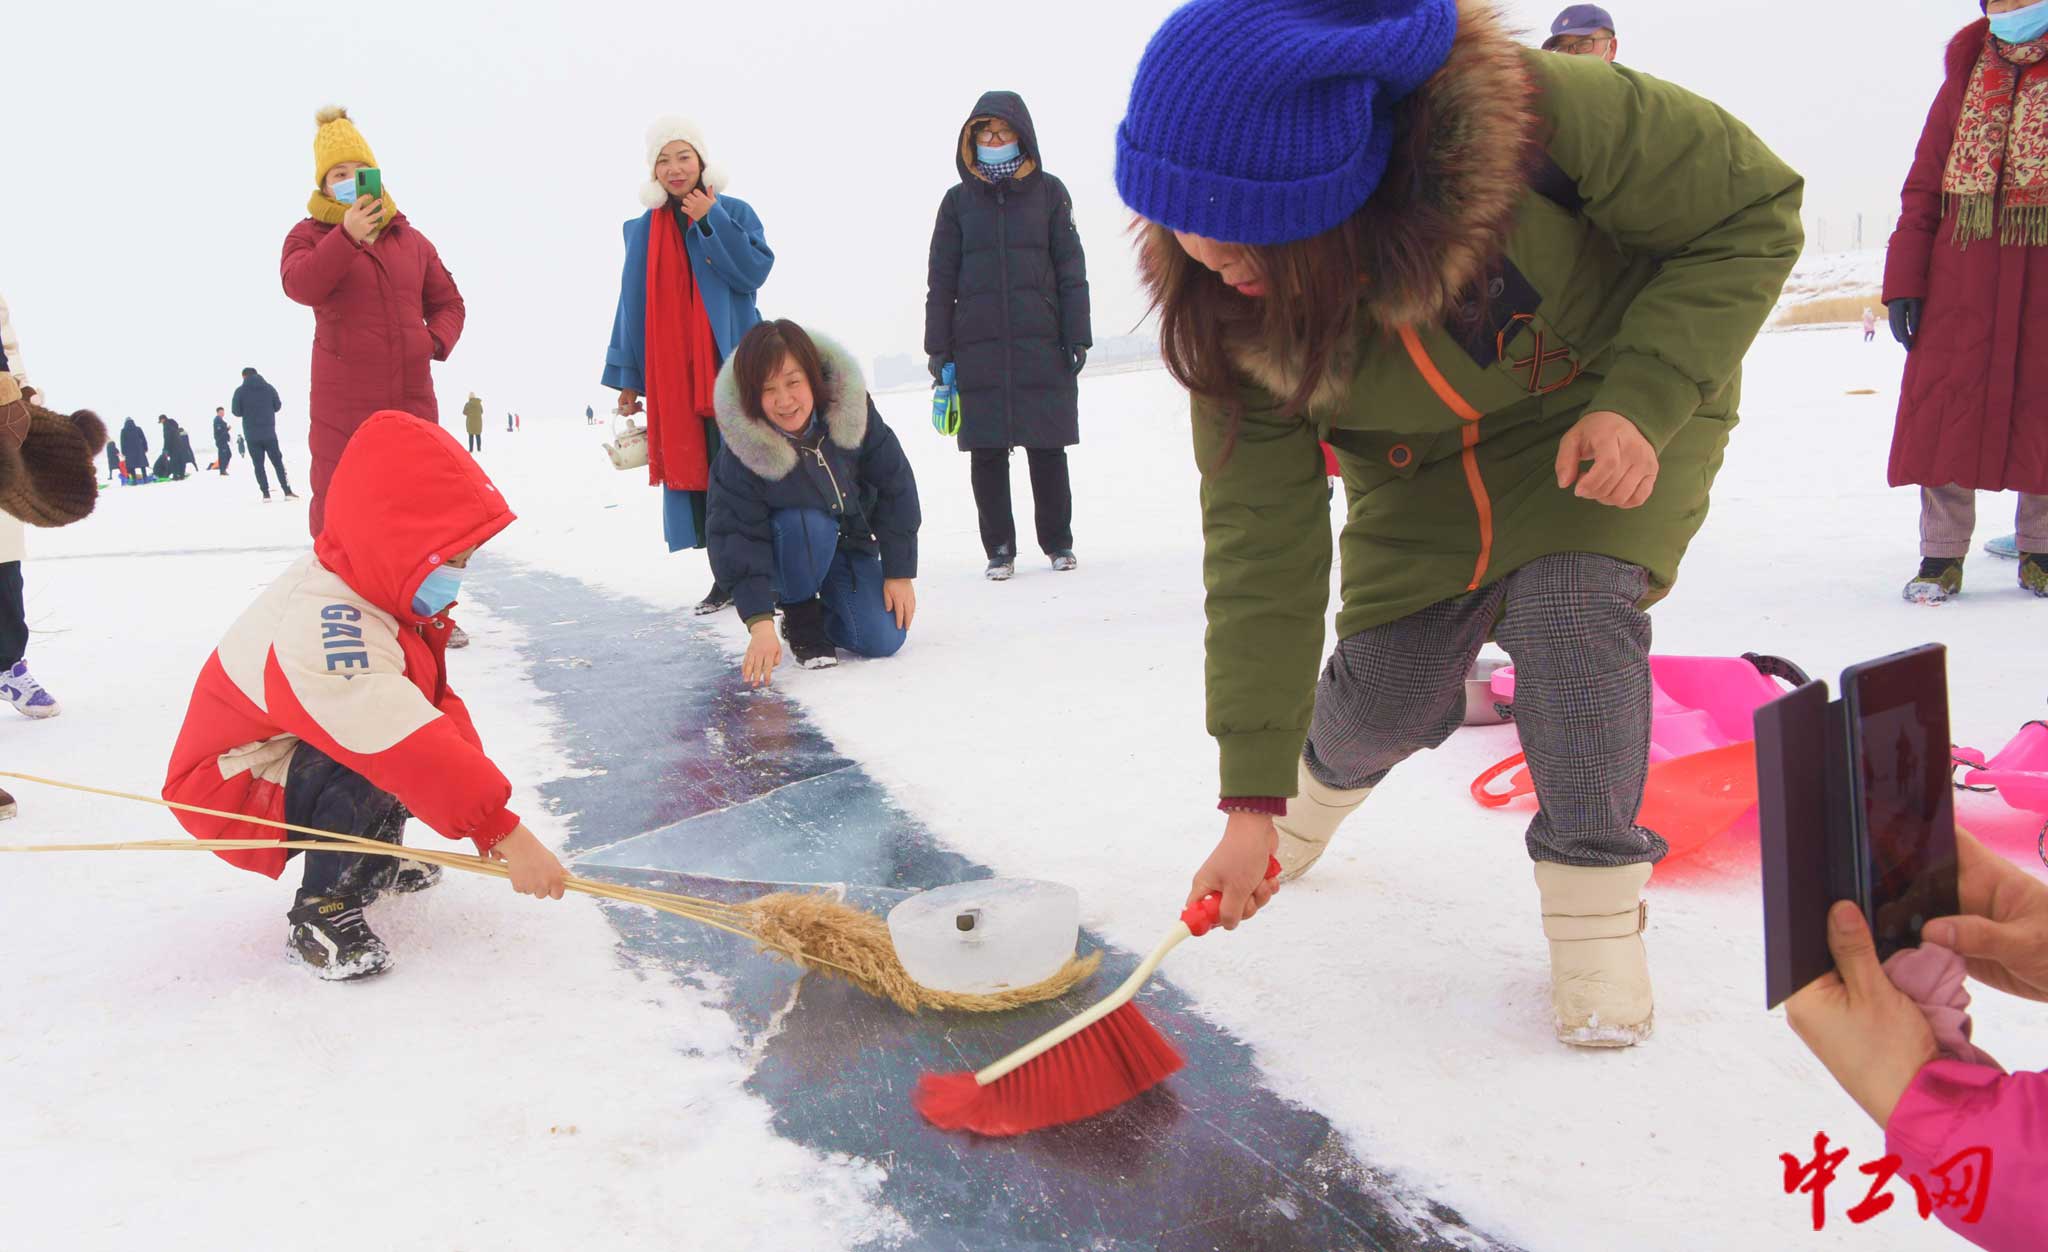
{"points": [[1901, 804], [369, 183]]}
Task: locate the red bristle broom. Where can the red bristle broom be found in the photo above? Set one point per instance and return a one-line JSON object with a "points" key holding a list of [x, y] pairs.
{"points": [[1086, 1066]]}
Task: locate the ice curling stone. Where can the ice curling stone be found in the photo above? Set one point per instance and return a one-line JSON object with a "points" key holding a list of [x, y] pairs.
{"points": [[987, 936]]}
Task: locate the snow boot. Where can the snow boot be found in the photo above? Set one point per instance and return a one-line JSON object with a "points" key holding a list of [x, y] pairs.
{"points": [[1063, 560], [1312, 817], [719, 597], [330, 937], [1001, 566], [1599, 969], [20, 689], [7, 805], [2007, 546], [803, 625], [1940, 580], [2034, 573]]}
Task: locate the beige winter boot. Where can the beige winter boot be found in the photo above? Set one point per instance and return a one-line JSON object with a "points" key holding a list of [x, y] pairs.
{"points": [[1311, 818], [1599, 969]]}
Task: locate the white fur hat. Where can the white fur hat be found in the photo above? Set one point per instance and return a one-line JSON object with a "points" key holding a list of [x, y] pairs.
{"points": [[665, 131]]}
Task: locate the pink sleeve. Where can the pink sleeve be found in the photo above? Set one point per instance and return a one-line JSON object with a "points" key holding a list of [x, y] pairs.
{"points": [[1952, 1108]]}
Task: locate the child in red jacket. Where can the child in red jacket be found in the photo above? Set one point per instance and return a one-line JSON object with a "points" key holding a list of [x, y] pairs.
{"points": [[327, 705]]}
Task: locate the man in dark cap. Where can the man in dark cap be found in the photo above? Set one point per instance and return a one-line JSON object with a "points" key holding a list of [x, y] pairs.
{"points": [[1585, 30]]}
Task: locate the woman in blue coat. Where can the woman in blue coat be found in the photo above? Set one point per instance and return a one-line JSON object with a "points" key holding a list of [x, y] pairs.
{"points": [[693, 263], [813, 505]]}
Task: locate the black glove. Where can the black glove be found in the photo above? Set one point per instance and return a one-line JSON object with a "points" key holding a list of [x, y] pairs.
{"points": [[937, 365], [1905, 315], [1080, 356]]}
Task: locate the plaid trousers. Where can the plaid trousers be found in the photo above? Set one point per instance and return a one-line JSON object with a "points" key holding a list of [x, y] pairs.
{"points": [[1581, 649]]}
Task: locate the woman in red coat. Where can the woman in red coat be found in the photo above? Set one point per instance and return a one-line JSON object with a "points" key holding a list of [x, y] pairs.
{"points": [[384, 306], [1966, 284]]}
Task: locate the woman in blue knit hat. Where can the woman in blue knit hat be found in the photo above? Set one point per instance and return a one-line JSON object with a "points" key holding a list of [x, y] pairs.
{"points": [[1513, 291]]}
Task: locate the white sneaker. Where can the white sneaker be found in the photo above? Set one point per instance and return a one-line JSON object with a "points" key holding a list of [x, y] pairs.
{"points": [[1312, 817], [1599, 968], [19, 688]]}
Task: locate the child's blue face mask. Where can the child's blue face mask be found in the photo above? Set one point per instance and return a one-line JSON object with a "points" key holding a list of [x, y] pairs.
{"points": [[996, 156], [2021, 25], [437, 590]]}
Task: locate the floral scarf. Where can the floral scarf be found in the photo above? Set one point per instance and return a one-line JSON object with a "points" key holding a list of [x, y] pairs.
{"points": [[1998, 166]]}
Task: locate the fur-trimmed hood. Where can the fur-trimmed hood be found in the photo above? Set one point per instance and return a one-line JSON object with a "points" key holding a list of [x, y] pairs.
{"points": [[1462, 163], [663, 132], [766, 450]]}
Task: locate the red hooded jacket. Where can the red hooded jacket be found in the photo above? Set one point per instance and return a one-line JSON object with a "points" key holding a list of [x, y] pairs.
{"points": [[332, 654], [381, 316], [1973, 409]]}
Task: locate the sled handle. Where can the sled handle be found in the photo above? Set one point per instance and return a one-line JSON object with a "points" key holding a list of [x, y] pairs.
{"points": [[1200, 916], [1482, 786]]}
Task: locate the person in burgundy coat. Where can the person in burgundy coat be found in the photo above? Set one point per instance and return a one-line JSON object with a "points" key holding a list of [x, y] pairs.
{"points": [[384, 307], [1966, 287]]}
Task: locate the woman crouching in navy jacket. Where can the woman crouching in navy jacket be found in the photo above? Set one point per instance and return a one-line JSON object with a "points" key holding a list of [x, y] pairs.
{"points": [[813, 506]]}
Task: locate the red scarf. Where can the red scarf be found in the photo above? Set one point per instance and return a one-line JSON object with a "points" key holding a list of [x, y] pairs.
{"points": [[681, 362]]}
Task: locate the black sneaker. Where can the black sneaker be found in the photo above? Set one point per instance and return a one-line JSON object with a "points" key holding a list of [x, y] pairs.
{"points": [[1063, 560], [414, 876], [715, 599], [7, 805], [289, 495], [370, 876], [803, 625], [330, 937], [1001, 566]]}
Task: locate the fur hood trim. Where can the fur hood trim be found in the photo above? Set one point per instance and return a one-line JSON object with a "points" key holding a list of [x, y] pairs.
{"points": [[1462, 164], [665, 131], [767, 451]]}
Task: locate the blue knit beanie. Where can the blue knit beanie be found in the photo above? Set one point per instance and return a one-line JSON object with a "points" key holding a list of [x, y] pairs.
{"points": [[1268, 121]]}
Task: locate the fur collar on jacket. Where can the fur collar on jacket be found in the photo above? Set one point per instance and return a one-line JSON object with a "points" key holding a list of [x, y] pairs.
{"points": [[767, 451], [1444, 209]]}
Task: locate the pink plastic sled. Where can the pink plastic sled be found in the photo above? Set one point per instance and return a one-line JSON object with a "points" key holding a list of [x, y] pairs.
{"points": [[1702, 744], [2019, 772]]}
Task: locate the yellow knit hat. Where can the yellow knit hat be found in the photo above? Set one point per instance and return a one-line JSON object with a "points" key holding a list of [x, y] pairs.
{"points": [[336, 141]]}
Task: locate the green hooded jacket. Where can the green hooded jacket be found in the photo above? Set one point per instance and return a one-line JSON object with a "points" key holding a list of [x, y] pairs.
{"points": [[1640, 260]]}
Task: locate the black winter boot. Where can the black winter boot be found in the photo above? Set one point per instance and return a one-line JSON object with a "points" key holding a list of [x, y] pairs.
{"points": [[330, 937], [719, 597], [803, 625]]}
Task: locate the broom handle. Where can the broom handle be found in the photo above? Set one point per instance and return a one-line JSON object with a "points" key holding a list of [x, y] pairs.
{"points": [[1196, 920], [1110, 1004]]}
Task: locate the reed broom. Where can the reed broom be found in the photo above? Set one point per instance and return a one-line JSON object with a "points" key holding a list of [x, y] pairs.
{"points": [[811, 929]]}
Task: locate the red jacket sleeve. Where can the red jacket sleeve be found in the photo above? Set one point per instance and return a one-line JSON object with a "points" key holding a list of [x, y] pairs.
{"points": [[1912, 244], [443, 301], [314, 262]]}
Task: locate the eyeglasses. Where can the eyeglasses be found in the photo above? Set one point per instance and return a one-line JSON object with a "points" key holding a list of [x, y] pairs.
{"points": [[1583, 45]]}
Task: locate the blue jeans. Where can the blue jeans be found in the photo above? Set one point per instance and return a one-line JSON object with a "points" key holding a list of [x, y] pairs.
{"points": [[809, 562]]}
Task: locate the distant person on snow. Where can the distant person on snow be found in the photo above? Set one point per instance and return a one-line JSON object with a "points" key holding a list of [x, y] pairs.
{"points": [[1869, 325], [1583, 30], [813, 506], [694, 263], [1539, 490], [589, 416], [473, 422], [327, 705], [384, 307], [1966, 285], [223, 446], [114, 461], [256, 403], [1006, 304], [135, 451], [177, 449]]}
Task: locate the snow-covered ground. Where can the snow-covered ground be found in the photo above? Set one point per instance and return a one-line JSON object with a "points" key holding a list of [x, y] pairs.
{"points": [[167, 1080]]}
